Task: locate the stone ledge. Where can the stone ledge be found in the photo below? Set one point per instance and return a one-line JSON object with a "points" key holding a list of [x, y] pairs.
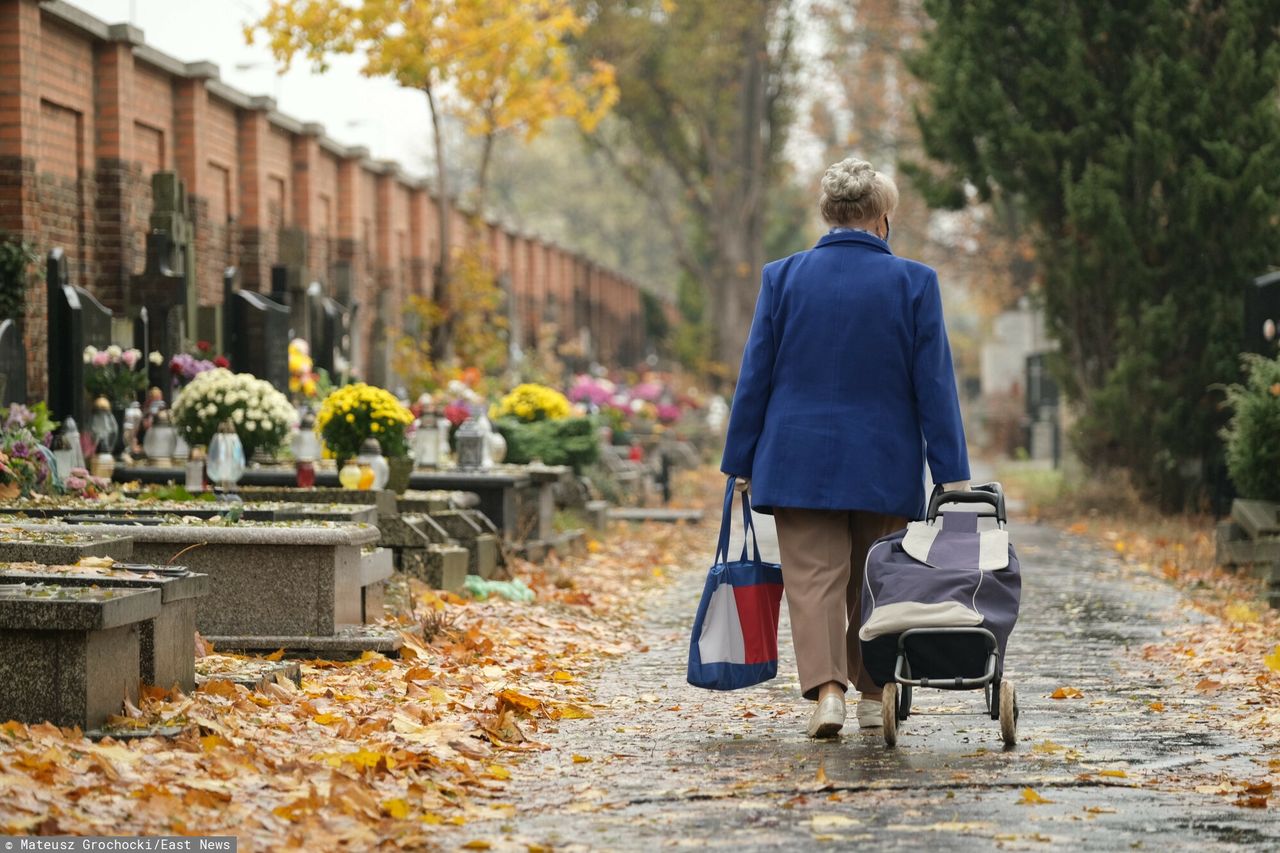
{"points": [[27, 608], [243, 533]]}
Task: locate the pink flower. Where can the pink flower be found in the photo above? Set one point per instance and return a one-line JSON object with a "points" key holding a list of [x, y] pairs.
{"points": [[101, 359], [75, 484], [130, 358]]}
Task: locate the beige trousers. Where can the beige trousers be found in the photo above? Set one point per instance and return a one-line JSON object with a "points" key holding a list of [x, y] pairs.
{"points": [[824, 553]]}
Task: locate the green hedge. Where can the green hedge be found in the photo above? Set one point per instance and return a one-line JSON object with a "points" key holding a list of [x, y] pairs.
{"points": [[1253, 436], [571, 441]]}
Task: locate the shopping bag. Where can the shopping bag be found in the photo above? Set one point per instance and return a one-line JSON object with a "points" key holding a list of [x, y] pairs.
{"points": [[735, 634]]}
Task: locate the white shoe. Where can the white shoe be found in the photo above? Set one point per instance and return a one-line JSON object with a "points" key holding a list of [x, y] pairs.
{"points": [[828, 717], [870, 715]]}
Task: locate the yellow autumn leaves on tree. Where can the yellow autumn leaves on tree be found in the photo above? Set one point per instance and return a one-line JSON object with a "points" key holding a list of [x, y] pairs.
{"points": [[506, 64]]}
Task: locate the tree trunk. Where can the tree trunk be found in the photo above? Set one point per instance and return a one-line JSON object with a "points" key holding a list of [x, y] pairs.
{"points": [[442, 334]]}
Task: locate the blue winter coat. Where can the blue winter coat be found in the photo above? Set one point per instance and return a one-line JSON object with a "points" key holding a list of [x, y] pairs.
{"points": [[846, 380]]}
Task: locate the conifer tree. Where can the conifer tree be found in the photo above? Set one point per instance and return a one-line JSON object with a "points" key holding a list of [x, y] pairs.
{"points": [[1142, 139]]}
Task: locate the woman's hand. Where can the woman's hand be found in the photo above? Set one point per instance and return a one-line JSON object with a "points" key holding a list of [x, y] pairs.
{"points": [[957, 486], [741, 486]]}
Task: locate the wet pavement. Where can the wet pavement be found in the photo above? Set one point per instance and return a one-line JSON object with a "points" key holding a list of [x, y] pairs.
{"points": [[672, 765]]}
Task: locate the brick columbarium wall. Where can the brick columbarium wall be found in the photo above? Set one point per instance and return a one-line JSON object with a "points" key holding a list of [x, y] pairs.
{"points": [[89, 112]]}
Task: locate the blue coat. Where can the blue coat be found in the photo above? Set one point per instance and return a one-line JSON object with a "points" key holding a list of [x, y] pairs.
{"points": [[846, 379]]}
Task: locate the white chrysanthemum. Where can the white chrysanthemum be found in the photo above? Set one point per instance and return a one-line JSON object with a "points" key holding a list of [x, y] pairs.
{"points": [[114, 351]]}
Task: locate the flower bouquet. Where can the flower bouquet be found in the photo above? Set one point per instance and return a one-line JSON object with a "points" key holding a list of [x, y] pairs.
{"points": [[261, 414], [356, 412], [24, 465], [528, 403], [115, 373]]}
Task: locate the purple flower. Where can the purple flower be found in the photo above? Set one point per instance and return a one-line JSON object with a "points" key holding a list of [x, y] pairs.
{"points": [[21, 450], [75, 483]]}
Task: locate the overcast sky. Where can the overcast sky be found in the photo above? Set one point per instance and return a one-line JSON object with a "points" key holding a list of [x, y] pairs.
{"points": [[391, 122]]}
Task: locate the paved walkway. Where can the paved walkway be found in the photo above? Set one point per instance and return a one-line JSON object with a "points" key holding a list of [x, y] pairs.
{"points": [[671, 765]]}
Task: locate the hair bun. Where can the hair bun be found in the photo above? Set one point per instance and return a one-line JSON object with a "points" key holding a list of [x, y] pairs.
{"points": [[849, 180]]}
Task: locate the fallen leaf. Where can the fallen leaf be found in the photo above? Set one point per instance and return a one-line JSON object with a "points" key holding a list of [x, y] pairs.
{"points": [[327, 719], [1241, 613], [477, 845], [1208, 685], [1031, 798], [1158, 707], [278, 654], [562, 676], [1273, 660], [497, 771], [1114, 774], [580, 759], [1066, 693], [396, 808]]}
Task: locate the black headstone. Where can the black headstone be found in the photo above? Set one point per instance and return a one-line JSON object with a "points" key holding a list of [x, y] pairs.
{"points": [[76, 320], [331, 337], [13, 363], [1262, 314], [257, 333], [158, 299]]}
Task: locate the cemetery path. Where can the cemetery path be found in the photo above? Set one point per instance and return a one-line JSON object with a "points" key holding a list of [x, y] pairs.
{"points": [[1141, 759]]}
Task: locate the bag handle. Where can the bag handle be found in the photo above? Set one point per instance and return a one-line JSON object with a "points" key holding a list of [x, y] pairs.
{"points": [[726, 525]]}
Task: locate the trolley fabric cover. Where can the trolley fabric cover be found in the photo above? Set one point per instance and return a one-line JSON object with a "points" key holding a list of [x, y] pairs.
{"points": [[941, 575], [735, 633]]}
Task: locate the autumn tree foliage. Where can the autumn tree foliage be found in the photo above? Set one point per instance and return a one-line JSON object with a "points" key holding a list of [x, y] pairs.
{"points": [[1142, 141], [704, 106], [500, 66]]}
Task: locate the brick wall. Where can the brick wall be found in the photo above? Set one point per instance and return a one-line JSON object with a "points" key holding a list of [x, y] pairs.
{"points": [[88, 113]]}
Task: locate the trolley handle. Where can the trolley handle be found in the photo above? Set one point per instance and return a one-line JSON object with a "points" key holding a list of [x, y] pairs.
{"points": [[991, 494]]}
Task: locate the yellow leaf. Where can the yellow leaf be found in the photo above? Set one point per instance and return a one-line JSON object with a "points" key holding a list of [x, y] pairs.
{"points": [[1031, 798], [1273, 660], [1158, 707], [477, 845], [821, 776], [211, 742], [381, 665], [571, 712], [437, 695], [519, 700], [593, 546], [497, 771], [1121, 547], [396, 808], [327, 719], [1066, 693], [580, 759], [1241, 613], [561, 675], [1114, 774], [278, 654]]}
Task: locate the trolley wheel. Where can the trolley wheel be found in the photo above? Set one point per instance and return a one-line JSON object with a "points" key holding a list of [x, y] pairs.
{"points": [[889, 713], [1008, 714]]}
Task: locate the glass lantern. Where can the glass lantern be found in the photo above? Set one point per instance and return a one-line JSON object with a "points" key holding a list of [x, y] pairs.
{"points": [[161, 440], [102, 423], [130, 426], [426, 442], [306, 450], [349, 476], [67, 453], [471, 444], [372, 458], [225, 464]]}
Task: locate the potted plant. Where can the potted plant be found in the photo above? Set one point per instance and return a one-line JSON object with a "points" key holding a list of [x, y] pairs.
{"points": [[353, 413], [261, 415]]}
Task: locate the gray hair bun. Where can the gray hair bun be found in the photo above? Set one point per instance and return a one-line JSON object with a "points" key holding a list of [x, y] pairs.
{"points": [[849, 180]]}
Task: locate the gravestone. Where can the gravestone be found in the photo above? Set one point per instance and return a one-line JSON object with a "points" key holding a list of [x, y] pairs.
{"points": [[257, 333], [344, 294], [13, 363], [1042, 409], [1262, 315], [76, 320], [288, 277], [331, 336], [161, 298], [378, 371]]}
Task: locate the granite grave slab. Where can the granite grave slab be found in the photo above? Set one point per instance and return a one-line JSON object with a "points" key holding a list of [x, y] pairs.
{"points": [[70, 655], [167, 642]]}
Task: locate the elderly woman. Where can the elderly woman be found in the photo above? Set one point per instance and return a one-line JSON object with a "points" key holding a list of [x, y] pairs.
{"points": [[846, 388]]}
